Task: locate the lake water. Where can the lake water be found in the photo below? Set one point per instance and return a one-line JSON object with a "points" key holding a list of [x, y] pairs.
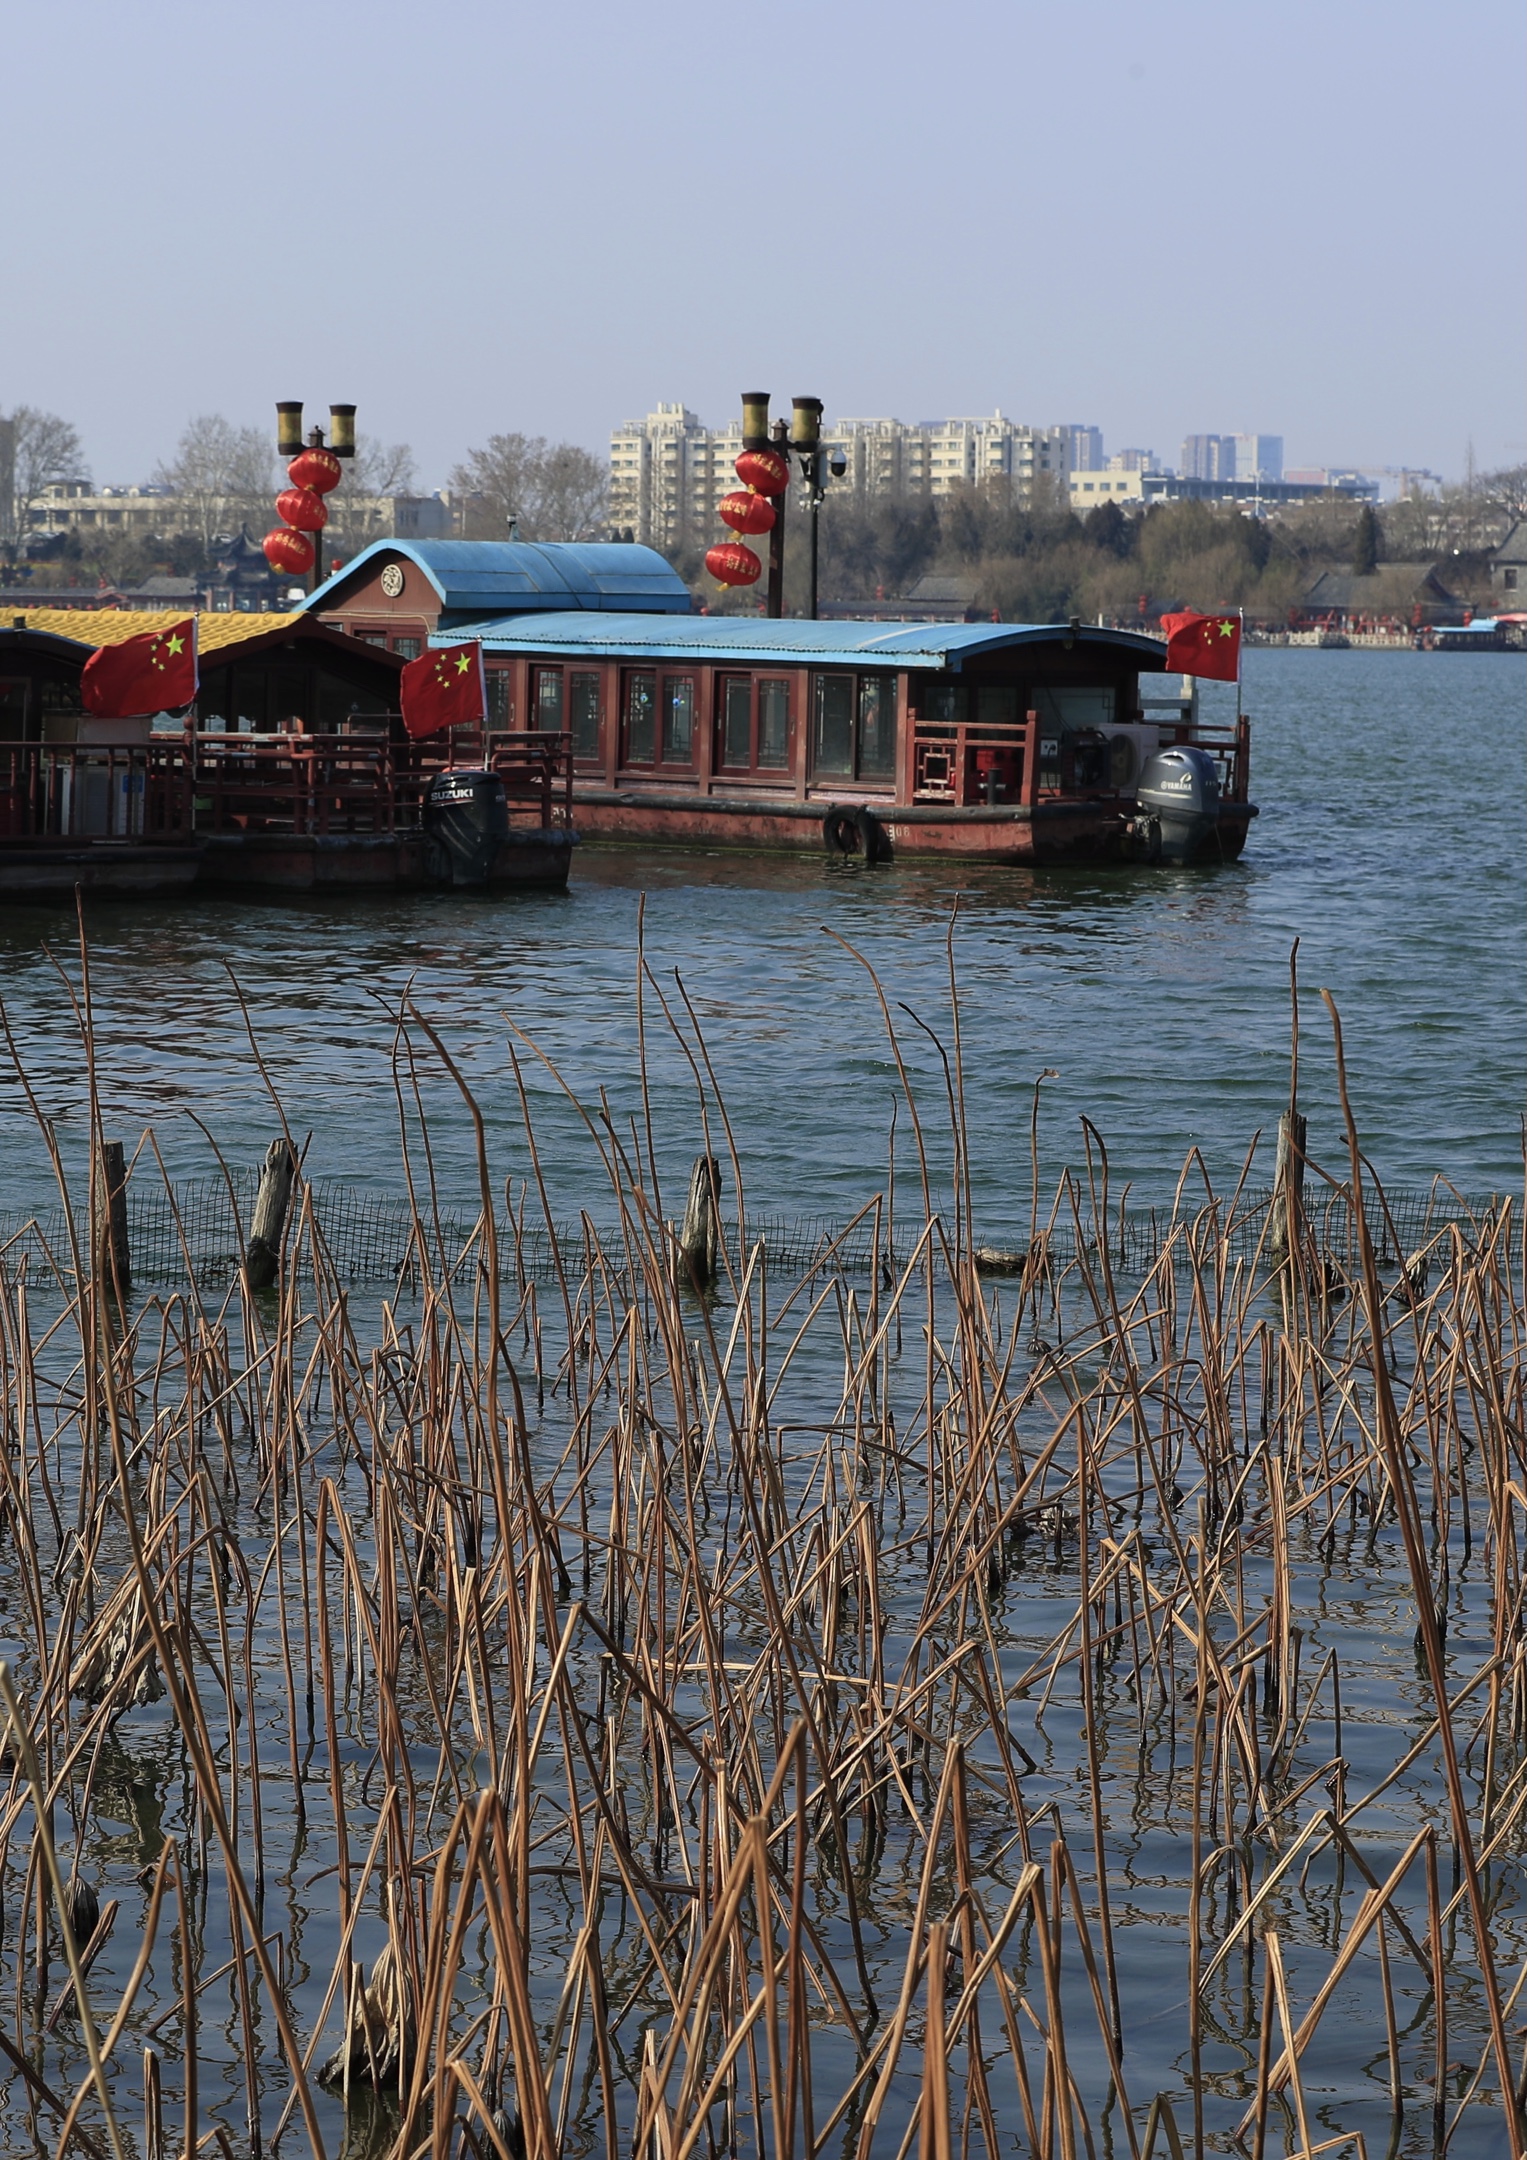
{"points": [[1390, 844]]}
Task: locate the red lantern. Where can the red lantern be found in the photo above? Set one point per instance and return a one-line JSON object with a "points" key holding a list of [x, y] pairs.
{"points": [[317, 469], [289, 551], [730, 563], [303, 509], [746, 513], [764, 470]]}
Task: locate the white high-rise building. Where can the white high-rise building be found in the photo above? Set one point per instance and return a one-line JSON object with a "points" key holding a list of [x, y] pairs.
{"points": [[668, 472], [1258, 457]]}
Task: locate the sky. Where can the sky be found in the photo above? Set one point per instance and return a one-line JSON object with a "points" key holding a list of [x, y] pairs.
{"points": [[1154, 216]]}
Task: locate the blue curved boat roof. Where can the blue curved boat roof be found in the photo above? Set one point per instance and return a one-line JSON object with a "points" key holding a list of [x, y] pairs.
{"points": [[502, 577], [756, 640]]}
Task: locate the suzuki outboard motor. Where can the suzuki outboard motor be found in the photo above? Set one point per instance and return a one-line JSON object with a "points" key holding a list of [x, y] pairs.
{"points": [[466, 821], [1178, 790]]}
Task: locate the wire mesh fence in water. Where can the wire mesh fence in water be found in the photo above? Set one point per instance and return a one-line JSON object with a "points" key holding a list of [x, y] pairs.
{"points": [[200, 1227]]}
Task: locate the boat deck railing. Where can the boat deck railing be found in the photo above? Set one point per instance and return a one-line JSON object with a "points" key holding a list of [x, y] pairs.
{"points": [[89, 791], [359, 780], [968, 763]]}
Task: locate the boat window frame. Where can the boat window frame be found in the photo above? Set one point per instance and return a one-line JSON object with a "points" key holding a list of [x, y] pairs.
{"points": [[576, 675], [885, 684], [629, 677], [753, 766]]}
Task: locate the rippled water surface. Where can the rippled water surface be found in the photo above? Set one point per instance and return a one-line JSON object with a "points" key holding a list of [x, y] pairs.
{"points": [[1390, 844]]}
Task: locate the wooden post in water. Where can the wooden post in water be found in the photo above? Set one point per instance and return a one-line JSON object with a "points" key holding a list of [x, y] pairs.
{"points": [[699, 1236], [262, 1262], [113, 1251], [1288, 1186]]}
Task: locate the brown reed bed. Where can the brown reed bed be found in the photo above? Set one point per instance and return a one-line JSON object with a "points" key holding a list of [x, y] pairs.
{"points": [[1063, 1714]]}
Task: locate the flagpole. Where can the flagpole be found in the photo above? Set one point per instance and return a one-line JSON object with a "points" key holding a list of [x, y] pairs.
{"points": [[1240, 652]]}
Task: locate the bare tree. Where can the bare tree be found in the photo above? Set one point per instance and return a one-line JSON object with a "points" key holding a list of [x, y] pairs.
{"points": [[222, 477], [572, 494], [552, 491], [42, 450], [357, 507]]}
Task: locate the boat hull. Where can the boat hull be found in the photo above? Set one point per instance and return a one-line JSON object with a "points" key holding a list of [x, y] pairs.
{"points": [[1045, 834], [43, 870], [375, 862]]}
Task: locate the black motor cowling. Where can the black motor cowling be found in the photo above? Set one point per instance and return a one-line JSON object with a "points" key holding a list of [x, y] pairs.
{"points": [[466, 821], [1178, 791]]}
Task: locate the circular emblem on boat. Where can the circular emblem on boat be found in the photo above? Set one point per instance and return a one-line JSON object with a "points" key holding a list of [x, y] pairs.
{"points": [[392, 580]]}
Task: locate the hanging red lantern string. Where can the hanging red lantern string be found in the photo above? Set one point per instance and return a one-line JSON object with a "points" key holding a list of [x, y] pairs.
{"points": [[730, 563], [317, 469], [302, 509], [288, 551], [747, 513], [763, 470]]}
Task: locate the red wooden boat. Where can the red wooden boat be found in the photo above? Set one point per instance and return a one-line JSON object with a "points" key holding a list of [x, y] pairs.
{"points": [[999, 742]]}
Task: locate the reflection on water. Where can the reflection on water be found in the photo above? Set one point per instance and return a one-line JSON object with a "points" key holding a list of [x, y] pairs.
{"points": [[1158, 996]]}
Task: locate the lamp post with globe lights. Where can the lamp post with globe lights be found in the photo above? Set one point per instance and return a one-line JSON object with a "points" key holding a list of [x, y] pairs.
{"points": [[296, 544], [758, 507]]}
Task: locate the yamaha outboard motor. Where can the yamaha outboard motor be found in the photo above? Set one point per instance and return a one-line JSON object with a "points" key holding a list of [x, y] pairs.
{"points": [[466, 821], [1178, 791]]}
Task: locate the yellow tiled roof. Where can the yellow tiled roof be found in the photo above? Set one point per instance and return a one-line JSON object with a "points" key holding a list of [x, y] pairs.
{"points": [[110, 626]]}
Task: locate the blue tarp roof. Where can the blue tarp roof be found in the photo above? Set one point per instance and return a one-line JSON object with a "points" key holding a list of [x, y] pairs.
{"points": [[497, 577], [755, 639]]}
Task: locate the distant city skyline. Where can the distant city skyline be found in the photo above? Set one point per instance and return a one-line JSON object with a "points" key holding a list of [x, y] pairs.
{"points": [[1093, 446]]}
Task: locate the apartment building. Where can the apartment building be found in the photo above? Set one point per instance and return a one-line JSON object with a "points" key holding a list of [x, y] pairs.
{"points": [[76, 506], [667, 472]]}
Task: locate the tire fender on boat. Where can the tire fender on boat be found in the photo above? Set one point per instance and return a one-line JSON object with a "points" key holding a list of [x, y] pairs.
{"points": [[840, 832]]}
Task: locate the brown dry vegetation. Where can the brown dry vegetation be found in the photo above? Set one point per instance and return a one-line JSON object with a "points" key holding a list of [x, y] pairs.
{"points": [[597, 1717]]}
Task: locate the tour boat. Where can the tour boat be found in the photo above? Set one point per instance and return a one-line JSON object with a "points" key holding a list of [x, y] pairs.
{"points": [[998, 742]]}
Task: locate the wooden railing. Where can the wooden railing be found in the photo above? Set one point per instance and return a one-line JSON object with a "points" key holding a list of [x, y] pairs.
{"points": [[1230, 747], [87, 791], [295, 783], [364, 781], [536, 769], [969, 763]]}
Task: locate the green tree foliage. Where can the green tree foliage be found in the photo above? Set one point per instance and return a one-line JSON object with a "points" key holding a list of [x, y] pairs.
{"points": [[1365, 542]]}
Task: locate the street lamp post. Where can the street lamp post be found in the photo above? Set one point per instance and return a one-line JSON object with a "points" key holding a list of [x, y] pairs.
{"points": [[806, 442], [290, 444], [801, 437]]}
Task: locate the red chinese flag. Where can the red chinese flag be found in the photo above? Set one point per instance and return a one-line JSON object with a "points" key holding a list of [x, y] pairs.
{"points": [[1203, 645], [152, 673], [444, 689]]}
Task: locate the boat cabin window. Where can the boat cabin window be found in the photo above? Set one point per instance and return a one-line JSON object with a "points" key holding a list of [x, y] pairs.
{"points": [[583, 715], [13, 708], [640, 745], [678, 720], [752, 723], [1073, 709], [853, 726], [773, 723], [567, 700], [408, 648], [546, 700], [500, 702]]}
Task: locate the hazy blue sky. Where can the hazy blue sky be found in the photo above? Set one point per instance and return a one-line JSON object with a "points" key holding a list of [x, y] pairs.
{"points": [[1162, 216]]}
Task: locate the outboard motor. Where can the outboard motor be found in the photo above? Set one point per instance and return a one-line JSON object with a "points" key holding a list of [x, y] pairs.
{"points": [[466, 821], [1178, 791]]}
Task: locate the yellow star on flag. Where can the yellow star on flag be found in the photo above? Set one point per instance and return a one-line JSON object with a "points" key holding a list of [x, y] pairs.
{"points": [[463, 662], [175, 644]]}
